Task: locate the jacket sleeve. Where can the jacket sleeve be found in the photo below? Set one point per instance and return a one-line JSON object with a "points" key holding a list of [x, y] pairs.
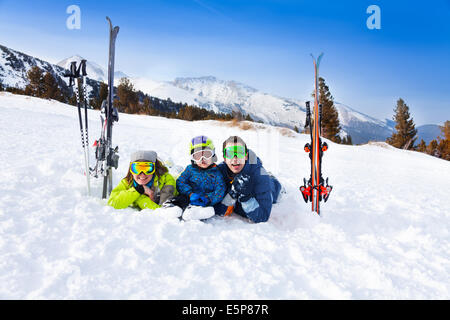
{"points": [[182, 184], [144, 202], [167, 189], [219, 189], [123, 196], [257, 208], [221, 207]]}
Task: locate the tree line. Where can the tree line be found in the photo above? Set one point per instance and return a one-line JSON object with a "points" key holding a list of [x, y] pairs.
{"points": [[405, 134], [129, 100]]}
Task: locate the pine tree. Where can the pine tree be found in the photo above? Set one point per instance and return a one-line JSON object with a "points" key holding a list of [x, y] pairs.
{"points": [[50, 88], [432, 148], [128, 98], [405, 134], [422, 146], [96, 102], [330, 117], [444, 141], [36, 86]]}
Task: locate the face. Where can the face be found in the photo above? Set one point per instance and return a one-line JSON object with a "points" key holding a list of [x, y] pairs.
{"points": [[235, 165], [141, 178], [203, 158], [204, 163]]}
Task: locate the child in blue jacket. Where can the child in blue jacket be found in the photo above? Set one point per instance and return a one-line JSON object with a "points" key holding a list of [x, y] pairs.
{"points": [[200, 185]]}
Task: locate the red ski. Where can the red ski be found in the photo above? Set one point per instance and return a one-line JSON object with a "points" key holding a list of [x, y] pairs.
{"points": [[314, 190]]}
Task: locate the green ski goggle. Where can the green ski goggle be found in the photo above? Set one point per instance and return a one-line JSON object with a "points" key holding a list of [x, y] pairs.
{"points": [[234, 151]]}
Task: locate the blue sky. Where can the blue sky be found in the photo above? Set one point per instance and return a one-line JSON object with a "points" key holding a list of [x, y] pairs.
{"points": [[265, 44]]}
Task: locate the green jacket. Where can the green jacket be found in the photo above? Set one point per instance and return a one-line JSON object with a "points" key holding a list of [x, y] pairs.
{"points": [[125, 195]]}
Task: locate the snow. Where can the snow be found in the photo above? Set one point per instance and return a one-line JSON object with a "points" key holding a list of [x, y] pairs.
{"points": [[383, 234]]}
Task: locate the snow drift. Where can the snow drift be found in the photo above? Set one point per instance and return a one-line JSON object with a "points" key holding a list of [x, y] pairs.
{"points": [[384, 233]]}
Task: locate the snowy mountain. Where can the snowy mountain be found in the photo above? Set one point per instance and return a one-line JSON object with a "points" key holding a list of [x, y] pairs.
{"points": [[94, 71], [206, 92], [361, 127], [381, 235], [14, 66], [227, 96], [428, 132]]}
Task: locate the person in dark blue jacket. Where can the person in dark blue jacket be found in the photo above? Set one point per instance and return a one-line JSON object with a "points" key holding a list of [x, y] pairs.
{"points": [[251, 190]]}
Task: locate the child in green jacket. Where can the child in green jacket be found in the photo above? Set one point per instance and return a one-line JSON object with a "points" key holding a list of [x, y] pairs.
{"points": [[146, 186]]}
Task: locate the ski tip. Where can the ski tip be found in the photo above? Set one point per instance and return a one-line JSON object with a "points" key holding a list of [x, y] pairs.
{"points": [[110, 22]]}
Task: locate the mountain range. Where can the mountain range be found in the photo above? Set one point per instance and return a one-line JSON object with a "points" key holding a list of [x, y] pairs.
{"points": [[209, 93]]}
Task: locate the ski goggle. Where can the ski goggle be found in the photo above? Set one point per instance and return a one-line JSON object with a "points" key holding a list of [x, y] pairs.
{"points": [[146, 168], [205, 154], [232, 151]]}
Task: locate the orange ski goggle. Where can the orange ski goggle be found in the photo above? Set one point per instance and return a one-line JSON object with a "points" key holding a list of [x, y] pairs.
{"points": [[146, 168]]}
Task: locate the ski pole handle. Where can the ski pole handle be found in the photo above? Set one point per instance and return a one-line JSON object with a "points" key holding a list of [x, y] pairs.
{"points": [[83, 68]]}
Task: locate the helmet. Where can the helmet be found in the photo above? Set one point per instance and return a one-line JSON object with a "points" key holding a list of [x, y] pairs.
{"points": [[201, 142]]}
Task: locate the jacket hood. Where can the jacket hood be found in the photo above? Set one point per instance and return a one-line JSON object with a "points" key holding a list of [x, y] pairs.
{"points": [[253, 162]]}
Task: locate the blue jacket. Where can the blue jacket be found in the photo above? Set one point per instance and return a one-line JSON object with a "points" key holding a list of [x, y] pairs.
{"points": [[208, 182], [265, 191]]}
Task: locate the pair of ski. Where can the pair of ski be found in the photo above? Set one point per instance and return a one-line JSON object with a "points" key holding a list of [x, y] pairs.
{"points": [[316, 188], [106, 156]]}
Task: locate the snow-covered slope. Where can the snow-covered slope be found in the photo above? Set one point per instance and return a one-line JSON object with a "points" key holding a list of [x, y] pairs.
{"points": [[383, 234]]}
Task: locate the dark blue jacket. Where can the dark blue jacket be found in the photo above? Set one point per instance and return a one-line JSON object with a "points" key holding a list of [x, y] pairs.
{"points": [[265, 190]]}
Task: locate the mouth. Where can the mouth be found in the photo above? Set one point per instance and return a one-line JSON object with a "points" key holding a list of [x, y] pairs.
{"points": [[141, 179]]}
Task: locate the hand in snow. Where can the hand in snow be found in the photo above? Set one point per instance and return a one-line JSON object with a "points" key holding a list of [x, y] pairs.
{"points": [[241, 187], [199, 200]]}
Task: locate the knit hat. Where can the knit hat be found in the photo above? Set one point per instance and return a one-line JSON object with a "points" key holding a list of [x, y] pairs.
{"points": [[143, 155]]}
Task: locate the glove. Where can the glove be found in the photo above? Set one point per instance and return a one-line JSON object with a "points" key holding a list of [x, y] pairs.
{"points": [[194, 197], [241, 187], [199, 200], [139, 188]]}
